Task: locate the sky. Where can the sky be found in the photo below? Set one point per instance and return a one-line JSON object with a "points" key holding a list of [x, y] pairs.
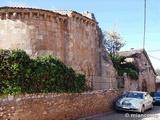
{"points": [[126, 16]]}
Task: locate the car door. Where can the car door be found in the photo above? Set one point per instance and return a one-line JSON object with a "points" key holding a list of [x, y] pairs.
{"points": [[148, 101]]}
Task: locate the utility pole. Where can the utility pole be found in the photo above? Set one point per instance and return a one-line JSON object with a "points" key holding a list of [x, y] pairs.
{"points": [[144, 34]]}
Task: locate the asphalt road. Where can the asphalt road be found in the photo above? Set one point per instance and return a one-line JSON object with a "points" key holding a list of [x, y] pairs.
{"points": [[148, 115]]}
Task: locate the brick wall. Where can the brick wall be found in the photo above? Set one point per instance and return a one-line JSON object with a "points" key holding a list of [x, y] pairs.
{"points": [[56, 106]]}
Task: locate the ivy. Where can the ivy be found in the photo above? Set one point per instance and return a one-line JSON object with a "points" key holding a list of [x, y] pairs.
{"points": [[44, 74], [122, 67]]}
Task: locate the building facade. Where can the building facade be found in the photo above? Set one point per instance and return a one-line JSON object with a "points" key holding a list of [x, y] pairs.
{"points": [[75, 38], [147, 74]]}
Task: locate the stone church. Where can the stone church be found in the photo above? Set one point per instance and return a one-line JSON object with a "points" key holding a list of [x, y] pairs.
{"points": [[75, 38]]}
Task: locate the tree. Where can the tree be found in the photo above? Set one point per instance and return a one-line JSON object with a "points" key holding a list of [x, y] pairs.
{"points": [[113, 41]]}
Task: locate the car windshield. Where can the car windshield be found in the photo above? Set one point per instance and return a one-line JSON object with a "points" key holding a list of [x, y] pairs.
{"points": [[134, 95]]}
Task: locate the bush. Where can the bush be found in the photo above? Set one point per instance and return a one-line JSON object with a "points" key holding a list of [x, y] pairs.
{"points": [[20, 74], [133, 74], [12, 64]]}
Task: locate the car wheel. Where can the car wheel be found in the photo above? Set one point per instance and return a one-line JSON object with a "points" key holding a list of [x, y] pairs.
{"points": [[142, 109]]}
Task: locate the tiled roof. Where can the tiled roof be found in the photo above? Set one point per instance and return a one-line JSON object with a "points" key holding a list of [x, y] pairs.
{"points": [[130, 53]]}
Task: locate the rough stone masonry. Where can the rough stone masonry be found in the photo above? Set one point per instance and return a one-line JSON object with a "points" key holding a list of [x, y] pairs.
{"points": [[75, 38], [54, 106]]}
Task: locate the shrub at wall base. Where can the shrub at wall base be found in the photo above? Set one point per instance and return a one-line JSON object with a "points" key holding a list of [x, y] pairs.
{"points": [[20, 74]]}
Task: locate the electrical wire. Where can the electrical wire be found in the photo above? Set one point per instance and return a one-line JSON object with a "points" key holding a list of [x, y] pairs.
{"points": [[154, 50], [154, 57]]}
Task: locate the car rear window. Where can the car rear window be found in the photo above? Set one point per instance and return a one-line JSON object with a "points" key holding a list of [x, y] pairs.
{"points": [[154, 94], [157, 94]]}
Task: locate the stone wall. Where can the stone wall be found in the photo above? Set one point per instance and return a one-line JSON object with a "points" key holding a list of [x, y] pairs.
{"points": [[72, 37], [56, 106], [75, 38], [33, 30], [157, 86], [146, 72]]}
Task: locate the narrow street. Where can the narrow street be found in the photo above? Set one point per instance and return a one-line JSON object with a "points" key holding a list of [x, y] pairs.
{"points": [[148, 115]]}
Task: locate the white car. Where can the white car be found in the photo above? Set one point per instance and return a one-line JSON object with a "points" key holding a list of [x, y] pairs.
{"points": [[135, 101]]}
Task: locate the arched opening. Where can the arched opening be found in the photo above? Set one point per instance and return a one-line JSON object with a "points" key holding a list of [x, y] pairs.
{"points": [[87, 69], [144, 85]]}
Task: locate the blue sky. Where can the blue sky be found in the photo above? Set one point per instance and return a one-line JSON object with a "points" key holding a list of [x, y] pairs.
{"points": [[128, 15]]}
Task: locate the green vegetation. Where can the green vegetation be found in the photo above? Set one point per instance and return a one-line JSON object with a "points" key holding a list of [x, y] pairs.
{"points": [[125, 67], [20, 74]]}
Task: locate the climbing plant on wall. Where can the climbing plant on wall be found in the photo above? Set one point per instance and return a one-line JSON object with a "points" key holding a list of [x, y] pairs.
{"points": [[20, 74], [125, 67]]}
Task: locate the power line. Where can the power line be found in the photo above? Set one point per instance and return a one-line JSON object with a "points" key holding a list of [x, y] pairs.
{"points": [[154, 57], [154, 50], [144, 24]]}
